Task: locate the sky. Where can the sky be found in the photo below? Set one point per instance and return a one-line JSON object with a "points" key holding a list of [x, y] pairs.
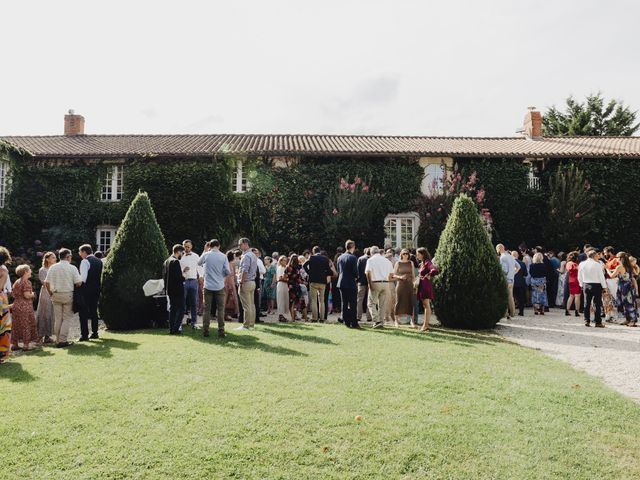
{"points": [[401, 67]]}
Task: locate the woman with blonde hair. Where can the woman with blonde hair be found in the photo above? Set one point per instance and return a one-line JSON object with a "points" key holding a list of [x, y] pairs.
{"points": [[24, 328], [538, 273], [44, 314]]}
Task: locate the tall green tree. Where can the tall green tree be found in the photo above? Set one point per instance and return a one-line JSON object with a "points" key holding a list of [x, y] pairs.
{"points": [[470, 290], [593, 117], [135, 257], [571, 207]]}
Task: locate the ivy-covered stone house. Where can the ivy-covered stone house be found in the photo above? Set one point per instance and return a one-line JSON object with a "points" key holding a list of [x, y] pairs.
{"points": [[283, 191]]}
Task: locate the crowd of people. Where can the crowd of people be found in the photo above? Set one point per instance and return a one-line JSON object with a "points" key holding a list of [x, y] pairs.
{"points": [[593, 282], [236, 285], [379, 285], [66, 290]]}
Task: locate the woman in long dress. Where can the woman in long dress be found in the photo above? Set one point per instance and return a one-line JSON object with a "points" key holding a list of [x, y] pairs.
{"points": [[562, 280], [538, 273], [269, 283], [231, 298], [24, 327], [5, 312], [627, 288], [44, 314], [282, 289], [403, 273], [425, 287]]}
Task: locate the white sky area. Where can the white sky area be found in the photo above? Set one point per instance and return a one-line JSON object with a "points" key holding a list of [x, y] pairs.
{"points": [[402, 67]]}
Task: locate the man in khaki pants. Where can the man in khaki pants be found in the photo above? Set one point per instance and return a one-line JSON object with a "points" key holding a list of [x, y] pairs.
{"points": [[379, 273], [247, 279], [510, 267], [60, 282]]}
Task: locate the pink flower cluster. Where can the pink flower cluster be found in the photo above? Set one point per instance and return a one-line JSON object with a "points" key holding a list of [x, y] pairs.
{"points": [[346, 186]]}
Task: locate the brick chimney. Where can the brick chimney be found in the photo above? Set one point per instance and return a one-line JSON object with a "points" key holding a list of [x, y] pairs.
{"points": [[533, 123], [73, 124]]}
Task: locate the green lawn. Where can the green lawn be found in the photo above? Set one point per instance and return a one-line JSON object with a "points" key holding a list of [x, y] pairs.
{"points": [[281, 402]]}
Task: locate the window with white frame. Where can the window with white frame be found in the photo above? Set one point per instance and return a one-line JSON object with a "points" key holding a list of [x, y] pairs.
{"points": [[105, 235], [401, 230], [433, 180], [533, 180], [239, 182], [112, 187], [4, 172]]}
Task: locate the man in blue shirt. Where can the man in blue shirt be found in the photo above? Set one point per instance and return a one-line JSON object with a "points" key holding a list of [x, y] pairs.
{"points": [[216, 268], [247, 281]]}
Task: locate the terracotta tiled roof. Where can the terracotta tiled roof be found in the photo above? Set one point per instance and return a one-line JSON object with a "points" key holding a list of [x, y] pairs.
{"points": [[205, 145]]}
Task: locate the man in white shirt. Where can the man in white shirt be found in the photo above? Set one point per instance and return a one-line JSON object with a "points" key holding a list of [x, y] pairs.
{"points": [[189, 266], [379, 272], [510, 267], [592, 281], [60, 282]]}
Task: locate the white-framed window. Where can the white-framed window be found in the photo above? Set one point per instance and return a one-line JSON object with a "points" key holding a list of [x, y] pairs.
{"points": [[105, 234], [401, 230], [433, 181], [239, 182], [533, 180], [4, 173], [112, 187]]}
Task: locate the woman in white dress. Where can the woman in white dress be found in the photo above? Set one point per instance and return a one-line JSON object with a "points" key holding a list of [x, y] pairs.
{"points": [[282, 289], [44, 314]]}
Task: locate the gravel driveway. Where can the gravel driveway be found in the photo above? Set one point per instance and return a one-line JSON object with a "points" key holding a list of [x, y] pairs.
{"points": [[611, 353]]}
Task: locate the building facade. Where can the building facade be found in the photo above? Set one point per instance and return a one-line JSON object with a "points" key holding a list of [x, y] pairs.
{"points": [[65, 189]]}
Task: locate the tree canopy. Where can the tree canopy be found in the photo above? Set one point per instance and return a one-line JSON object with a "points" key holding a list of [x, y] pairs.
{"points": [[593, 117]]}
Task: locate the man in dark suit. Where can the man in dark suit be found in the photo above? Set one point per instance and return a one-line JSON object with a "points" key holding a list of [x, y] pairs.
{"points": [[347, 283], [363, 287], [91, 275], [318, 269], [174, 286]]}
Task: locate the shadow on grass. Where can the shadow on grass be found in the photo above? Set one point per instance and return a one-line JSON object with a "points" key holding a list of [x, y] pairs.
{"points": [[440, 334], [101, 347], [276, 330], [14, 372], [240, 340]]}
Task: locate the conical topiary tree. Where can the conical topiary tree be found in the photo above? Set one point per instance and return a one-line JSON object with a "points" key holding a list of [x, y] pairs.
{"points": [[136, 256], [470, 290]]}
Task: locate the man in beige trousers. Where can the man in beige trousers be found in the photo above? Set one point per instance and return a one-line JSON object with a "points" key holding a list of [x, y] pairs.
{"points": [[379, 273], [60, 282]]}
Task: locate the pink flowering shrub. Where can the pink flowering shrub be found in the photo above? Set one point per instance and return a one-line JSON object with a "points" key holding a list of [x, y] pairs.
{"points": [[434, 208], [350, 210]]}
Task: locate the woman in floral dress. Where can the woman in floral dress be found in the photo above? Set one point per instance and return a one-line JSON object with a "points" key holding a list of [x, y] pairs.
{"points": [[294, 280], [5, 312], [24, 327], [627, 289], [269, 283]]}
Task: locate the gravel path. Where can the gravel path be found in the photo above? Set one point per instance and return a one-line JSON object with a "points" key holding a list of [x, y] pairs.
{"points": [[611, 353]]}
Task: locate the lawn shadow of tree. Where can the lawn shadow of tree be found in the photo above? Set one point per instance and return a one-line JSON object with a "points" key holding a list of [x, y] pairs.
{"points": [[464, 338], [238, 340], [13, 371], [275, 330], [101, 347]]}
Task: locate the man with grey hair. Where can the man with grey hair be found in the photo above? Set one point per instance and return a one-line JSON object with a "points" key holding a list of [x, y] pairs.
{"points": [[510, 267], [247, 280], [379, 273]]}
